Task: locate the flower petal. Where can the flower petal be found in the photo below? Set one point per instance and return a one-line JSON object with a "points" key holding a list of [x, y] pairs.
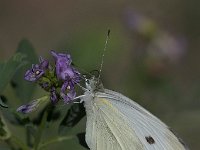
{"points": [[44, 64], [62, 57], [33, 74], [67, 91], [53, 95], [33, 105], [69, 96], [63, 65], [37, 70], [28, 107]]}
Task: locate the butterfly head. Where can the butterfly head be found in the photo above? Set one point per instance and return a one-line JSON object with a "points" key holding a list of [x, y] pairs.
{"points": [[94, 84]]}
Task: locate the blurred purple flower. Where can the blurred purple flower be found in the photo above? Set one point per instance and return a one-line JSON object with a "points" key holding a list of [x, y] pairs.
{"points": [[167, 47], [161, 46], [36, 71], [68, 91], [33, 105], [28, 107], [139, 23]]}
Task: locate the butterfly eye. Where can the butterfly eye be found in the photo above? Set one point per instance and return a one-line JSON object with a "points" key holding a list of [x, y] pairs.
{"points": [[87, 81]]}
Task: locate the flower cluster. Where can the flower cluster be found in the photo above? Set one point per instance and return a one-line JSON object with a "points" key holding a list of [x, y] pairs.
{"points": [[59, 80]]}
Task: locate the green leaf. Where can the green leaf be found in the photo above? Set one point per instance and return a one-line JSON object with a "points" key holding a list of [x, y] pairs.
{"points": [[24, 89], [54, 140], [9, 68], [4, 131], [73, 116]]}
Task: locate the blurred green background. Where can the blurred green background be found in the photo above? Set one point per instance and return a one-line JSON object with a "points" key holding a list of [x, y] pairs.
{"points": [[152, 56]]}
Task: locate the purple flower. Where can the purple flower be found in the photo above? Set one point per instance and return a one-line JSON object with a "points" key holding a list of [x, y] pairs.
{"points": [[33, 105], [45, 85], [66, 73], [53, 95], [33, 74], [68, 91], [62, 77], [64, 70], [44, 64], [28, 107], [63, 62], [36, 71]]}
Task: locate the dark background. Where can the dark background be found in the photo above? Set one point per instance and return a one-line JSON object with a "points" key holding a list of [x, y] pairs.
{"points": [[166, 84]]}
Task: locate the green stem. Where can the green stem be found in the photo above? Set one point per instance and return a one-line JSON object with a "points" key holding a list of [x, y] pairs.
{"points": [[40, 131], [18, 142], [54, 140]]}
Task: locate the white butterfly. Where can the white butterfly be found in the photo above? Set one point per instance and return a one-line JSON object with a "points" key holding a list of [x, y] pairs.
{"points": [[115, 122]]}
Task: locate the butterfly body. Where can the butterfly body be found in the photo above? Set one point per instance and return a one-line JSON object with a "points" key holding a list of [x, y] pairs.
{"points": [[115, 122]]}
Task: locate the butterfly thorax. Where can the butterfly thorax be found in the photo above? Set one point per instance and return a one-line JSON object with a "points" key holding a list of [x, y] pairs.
{"points": [[93, 86]]}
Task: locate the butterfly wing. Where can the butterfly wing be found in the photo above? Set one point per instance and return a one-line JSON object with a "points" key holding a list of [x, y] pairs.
{"points": [[151, 132], [106, 129]]}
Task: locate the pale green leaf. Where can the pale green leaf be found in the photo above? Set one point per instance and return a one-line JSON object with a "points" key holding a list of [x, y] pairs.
{"points": [[25, 89], [9, 68]]}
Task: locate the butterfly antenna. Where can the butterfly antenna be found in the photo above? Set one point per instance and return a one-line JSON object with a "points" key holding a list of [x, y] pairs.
{"points": [[104, 50]]}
